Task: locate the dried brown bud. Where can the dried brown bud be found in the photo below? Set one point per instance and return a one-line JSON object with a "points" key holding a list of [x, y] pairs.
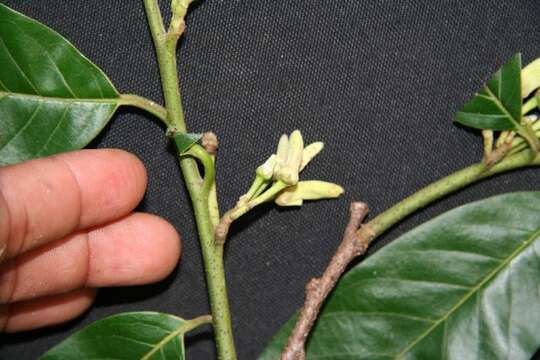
{"points": [[210, 142]]}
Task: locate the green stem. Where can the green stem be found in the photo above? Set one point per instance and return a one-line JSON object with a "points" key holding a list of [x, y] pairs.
{"points": [[266, 196], [198, 152], [212, 199], [166, 56], [213, 263], [441, 188], [254, 188]]}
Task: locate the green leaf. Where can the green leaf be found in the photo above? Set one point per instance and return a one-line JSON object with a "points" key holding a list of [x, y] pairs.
{"points": [[498, 105], [465, 285], [52, 98], [137, 335], [185, 141]]}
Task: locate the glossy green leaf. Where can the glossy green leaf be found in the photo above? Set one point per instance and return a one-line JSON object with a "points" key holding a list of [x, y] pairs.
{"points": [[137, 335], [52, 98], [465, 285], [498, 105], [185, 141]]}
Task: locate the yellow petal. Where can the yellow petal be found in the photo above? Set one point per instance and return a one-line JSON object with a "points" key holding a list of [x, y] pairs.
{"points": [[530, 78], [308, 190], [310, 152], [288, 201], [296, 148], [289, 173], [282, 149]]}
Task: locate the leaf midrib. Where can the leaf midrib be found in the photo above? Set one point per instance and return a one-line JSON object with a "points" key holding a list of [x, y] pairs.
{"points": [[473, 291], [113, 101], [181, 329], [501, 107]]}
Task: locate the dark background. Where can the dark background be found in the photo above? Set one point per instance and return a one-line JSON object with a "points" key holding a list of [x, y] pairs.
{"points": [[378, 81]]}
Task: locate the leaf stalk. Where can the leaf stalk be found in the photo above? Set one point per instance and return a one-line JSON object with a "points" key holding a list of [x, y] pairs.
{"points": [[145, 104]]}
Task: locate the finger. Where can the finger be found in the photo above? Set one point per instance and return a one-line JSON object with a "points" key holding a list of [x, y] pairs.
{"points": [[47, 311], [138, 249], [47, 199]]}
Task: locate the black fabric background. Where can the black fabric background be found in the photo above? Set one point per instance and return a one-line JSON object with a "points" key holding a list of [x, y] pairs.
{"points": [[378, 81]]}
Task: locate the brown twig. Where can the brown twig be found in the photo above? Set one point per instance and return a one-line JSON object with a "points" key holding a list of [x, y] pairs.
{"points": [[498, 154], [317, 290], [222, 229]]}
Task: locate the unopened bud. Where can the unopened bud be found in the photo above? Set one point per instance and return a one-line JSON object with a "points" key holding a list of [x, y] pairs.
{"points": [[529, 119], [289, 173], [308, 190], [296, 148], [530, 78], [284, 200], [310, 152], [210, 142], [266, 170], [281, 154]]}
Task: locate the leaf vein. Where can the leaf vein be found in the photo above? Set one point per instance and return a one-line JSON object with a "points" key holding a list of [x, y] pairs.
{"points": [[66, 110], [22, 72], [24, 127], [501, 107], [358, 283], [3, 86], [473, 291], [164, 342], [94, 78], [47, 53], [133, 340], [377, 313], [363, 354]]}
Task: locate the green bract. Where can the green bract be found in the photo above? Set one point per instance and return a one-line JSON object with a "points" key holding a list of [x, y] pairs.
{"points": [[498, 105]]}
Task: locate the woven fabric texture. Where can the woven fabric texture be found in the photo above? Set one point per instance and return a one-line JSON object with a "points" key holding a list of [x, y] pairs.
{"points": [[379, 81]]}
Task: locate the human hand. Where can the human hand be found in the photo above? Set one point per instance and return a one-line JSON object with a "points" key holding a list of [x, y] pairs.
{"points": [[67, 228]]}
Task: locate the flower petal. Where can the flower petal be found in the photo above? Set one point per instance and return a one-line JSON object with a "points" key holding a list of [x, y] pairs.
{"points": [[310, 152], [308, 190]]}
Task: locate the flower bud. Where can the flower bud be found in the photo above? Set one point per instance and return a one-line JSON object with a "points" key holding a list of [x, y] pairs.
{"points": [[308, 190], [295, 151], [530, 78], [266, 170], [289, 173], [310, 152], [283, 147], [281, 154]]}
